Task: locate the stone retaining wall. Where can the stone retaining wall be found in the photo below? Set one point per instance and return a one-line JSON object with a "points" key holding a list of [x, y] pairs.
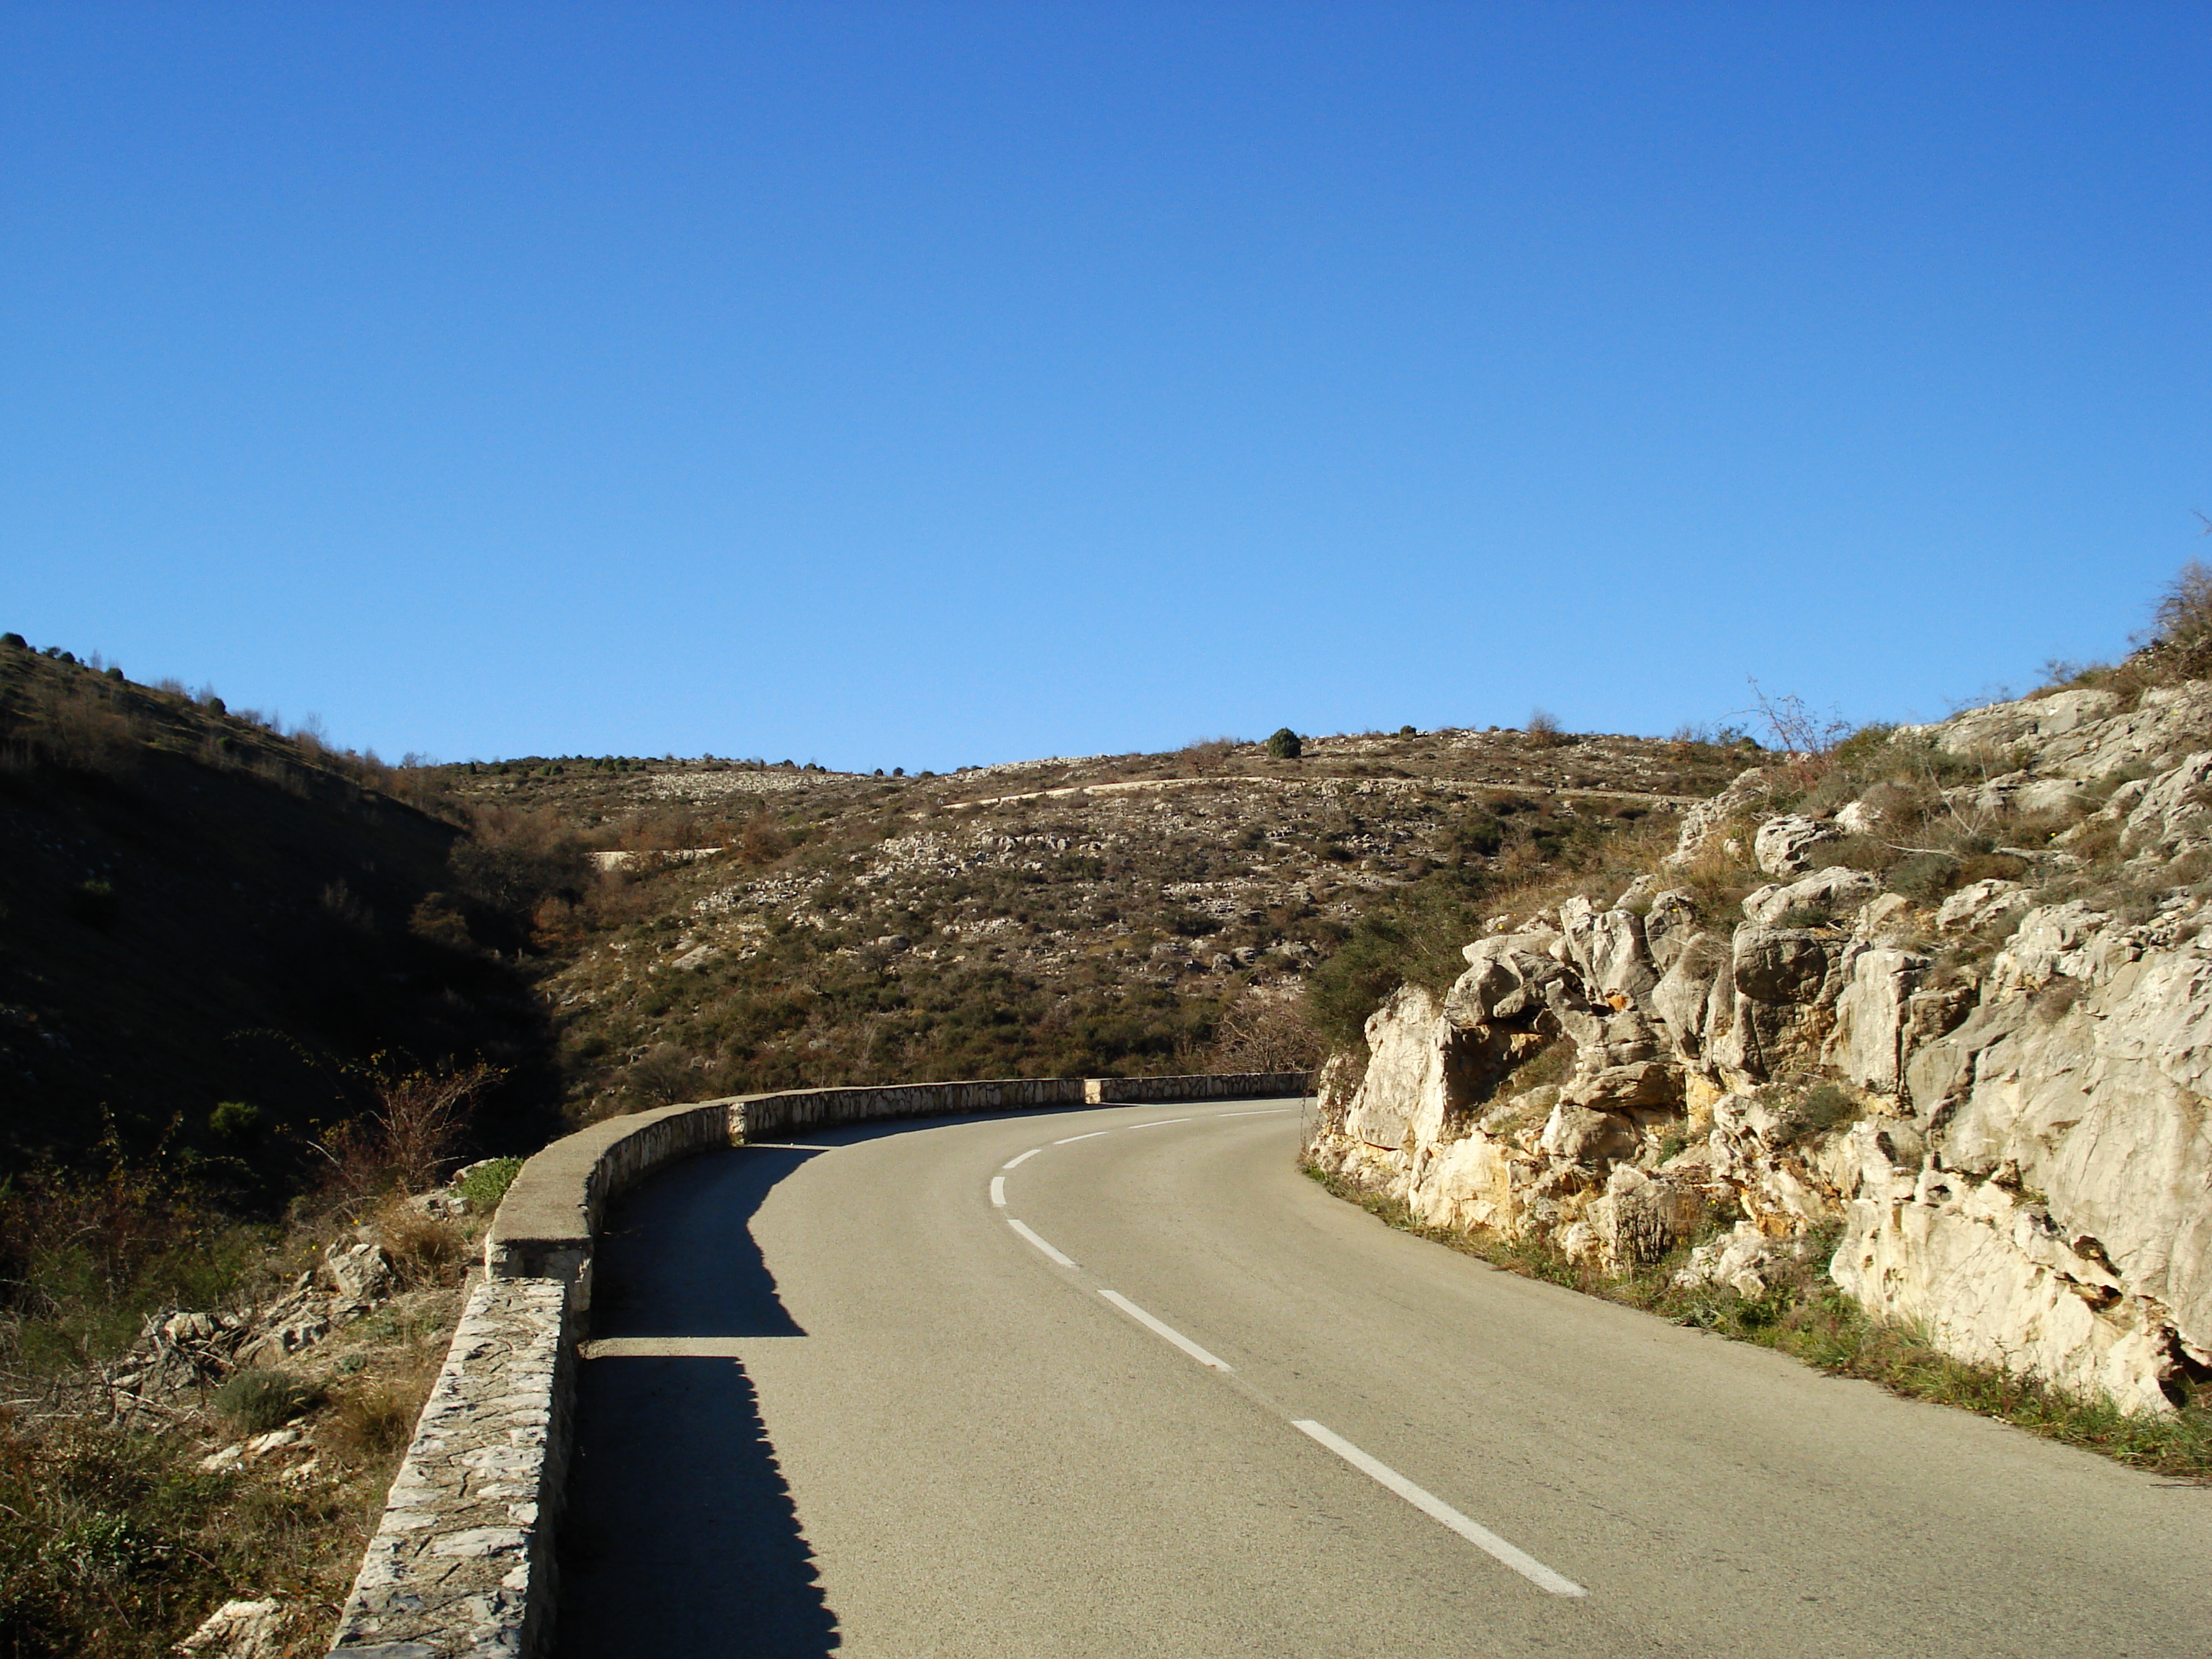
{"points": [[462, 1563]]}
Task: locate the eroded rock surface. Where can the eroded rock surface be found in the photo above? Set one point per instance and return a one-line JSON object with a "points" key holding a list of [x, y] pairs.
{"points": [[2017, 1160]]}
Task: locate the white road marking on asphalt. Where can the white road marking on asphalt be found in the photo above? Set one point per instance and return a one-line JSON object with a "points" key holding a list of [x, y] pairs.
{"points": [[1160, 1329], [1480, 1536], [1071, 1139], [1268, 1111], [1159, 1122], [999, 1191], [662, 1347], [1023, 1159], [1039, 1242]]}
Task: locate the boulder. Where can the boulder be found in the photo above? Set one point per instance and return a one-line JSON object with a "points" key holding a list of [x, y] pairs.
{"points": [[1704, 826], [1668, 922], [1640, 1217], [1744, 1259], [1867, 1044], [359, 1272], [1781, 964], [1642, 1085], [1404, 1089], [1836, 889], [1981, 904], [2169, 818], [1785, 847], [1608, 946], [1580, 1135], [1684, 1000], [240, 1630], [1859, 819], [1509, 976]]}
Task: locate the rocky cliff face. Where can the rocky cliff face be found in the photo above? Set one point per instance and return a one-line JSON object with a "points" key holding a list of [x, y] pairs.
{"points": [[1987, 1098]]}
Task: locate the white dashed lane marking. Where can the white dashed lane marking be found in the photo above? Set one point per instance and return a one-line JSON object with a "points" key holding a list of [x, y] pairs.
{"points": [[1382, 1474], [1435, 1507], [1030, 1235], [1165, 1332]]}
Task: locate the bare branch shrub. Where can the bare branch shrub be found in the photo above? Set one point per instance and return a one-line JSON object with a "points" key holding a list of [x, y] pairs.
{"points": [[1208, 754], [1543, 729], [1265, 1032], [1808, 741]]}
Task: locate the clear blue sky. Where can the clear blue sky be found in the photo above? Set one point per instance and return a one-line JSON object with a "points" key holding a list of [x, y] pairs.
{"points": [[930, 384]]}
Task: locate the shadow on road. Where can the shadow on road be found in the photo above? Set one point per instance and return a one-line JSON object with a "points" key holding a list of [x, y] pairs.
{"points": [[680, 1535], [677, 1256]]}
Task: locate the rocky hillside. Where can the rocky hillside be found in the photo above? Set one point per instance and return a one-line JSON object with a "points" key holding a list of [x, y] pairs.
{"points": [[760, 927], [1933, 1009]]}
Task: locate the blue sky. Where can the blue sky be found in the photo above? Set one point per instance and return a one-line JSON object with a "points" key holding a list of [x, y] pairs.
{"points": [[926, 385]]}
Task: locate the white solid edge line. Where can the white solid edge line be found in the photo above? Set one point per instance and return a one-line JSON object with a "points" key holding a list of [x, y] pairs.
{"points": [[1434, 1507], [1161, 1329], [1265, 1111], [999, 1191], [1023, 1159], [1071, 1139], [1161, 1122], [1039, 1242]]}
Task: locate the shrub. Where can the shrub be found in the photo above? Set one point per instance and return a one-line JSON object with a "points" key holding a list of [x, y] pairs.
{"points": [[2183, 616], [234, 1119], [1207, 754], [93, 903], [1285, 744], [1543, 729], [1924, 875], [372, 1422], [424, 1249], [15, 642], [1826, 1107], [484, 1184], [257, 1400]]}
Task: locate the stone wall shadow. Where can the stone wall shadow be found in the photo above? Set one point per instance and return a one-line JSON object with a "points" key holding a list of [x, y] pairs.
{"points": [[680, 1535]]}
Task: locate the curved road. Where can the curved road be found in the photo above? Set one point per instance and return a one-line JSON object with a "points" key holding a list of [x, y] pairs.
{"points": [[837, 1403]]}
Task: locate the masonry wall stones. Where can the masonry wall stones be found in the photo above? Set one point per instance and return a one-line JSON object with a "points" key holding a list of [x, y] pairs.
{"points": [[461, 1566]]}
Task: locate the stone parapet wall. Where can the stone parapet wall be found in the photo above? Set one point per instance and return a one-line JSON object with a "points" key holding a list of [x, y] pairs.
{"points": [[462, 1564], [757, 1116], [546, 1223], [1222, 1085]]}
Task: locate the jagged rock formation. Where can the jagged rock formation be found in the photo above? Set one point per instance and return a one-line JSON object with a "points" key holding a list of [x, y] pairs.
{"points": [[1994, 1105]]}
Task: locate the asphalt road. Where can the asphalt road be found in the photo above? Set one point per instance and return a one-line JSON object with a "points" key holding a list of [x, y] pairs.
{"points": [[836, 1402]]}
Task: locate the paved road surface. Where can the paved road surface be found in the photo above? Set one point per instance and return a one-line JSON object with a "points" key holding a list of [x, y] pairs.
{"points": [[837, 1403]]}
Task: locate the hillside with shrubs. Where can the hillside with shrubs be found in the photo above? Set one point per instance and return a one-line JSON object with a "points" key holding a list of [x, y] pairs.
{"points": [[1725, 1027], [757, 926], [277, 1020]]}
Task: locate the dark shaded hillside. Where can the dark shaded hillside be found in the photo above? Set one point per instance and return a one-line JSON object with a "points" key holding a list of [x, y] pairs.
{"points": [[194, 910]]}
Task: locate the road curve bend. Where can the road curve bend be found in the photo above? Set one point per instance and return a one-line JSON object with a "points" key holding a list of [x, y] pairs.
{"points": [[1123, 1381]]}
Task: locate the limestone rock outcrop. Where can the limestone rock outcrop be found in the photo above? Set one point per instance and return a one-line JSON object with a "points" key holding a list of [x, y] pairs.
{"points": [[2007, 1145]]}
